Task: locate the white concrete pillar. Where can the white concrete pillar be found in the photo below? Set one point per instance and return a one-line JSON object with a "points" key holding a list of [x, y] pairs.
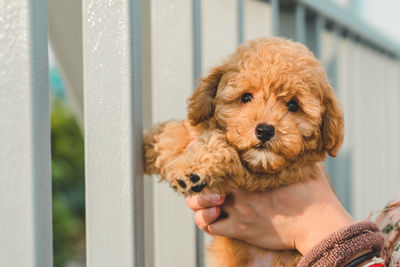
{"points": [[113, 133], [25, 166]]}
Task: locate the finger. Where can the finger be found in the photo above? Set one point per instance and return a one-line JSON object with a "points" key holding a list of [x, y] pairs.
{"points": [[204, 200], [230, 203], [222, 227], [205, 217]]}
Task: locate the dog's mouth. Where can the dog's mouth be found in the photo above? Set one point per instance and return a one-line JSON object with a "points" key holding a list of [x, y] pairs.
{"points": [[261, 158], [261, 146]]}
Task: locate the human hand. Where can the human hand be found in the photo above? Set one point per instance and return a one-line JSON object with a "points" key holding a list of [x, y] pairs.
{"points": [[297, 216], [206, 207]]}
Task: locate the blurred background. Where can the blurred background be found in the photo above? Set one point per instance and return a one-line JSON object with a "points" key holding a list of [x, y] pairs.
{"points": [[357, 40], [68, 176]]}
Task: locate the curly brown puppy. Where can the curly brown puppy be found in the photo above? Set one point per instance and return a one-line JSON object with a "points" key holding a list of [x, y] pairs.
{"points": [[262, 119]]}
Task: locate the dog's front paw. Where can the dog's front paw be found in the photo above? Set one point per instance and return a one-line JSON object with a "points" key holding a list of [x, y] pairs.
{"points": [[197, 183], [188, 184]]}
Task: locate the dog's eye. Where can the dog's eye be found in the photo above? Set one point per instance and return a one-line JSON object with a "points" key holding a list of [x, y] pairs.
{"points": [[247, 97], [292, 105]]}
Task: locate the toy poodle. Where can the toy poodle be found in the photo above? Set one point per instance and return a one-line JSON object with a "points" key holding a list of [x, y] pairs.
{"points": [[264, 118]]}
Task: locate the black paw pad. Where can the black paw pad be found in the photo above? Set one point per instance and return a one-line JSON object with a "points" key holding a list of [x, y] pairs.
{"points": [[194, 178], [181, 183], [198, 188]]}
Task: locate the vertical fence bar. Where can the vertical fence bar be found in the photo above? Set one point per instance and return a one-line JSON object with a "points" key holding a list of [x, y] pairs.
{"points": [[113, 132], [25, 165], [197, 66], [319, 29], [275, 17], [148, 183], [300, 15], [197, 40], [240, 21]]}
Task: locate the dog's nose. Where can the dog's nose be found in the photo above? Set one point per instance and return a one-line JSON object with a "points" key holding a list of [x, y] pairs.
{"points": [[265, 132]]}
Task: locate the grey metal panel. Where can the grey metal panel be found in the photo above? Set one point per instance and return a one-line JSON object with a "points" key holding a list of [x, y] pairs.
{"points": [[346, 20], [356, 131], [300, 17], [341, 167], [391, 78], [368, 129], [319, 28], [287, 23], [113, 132], [25, 164], [369, 183], [275, 17], [315, 24], [350, 106]]}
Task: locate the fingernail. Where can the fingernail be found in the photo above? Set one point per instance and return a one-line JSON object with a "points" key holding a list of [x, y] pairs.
{"points": [[215, 197], [212, 211]]}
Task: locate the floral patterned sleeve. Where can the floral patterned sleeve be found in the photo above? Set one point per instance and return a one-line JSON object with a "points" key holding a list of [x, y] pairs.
{"points": [[389, 223]]}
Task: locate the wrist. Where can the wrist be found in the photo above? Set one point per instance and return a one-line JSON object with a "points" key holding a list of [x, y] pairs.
{"points": [[320, 227]]}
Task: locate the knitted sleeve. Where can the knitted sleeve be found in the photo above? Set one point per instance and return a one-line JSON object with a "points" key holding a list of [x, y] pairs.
{"points": [[338, 247]]}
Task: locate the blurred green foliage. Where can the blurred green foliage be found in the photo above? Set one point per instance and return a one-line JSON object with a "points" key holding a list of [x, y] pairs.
{"points": [[67, 150]]}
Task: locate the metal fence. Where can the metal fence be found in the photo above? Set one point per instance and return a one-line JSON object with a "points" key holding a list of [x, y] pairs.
{"points": [[143, 56]]}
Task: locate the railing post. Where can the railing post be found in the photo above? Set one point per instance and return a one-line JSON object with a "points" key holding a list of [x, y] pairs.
{"points": [[113, 133], [275, 17], [197, 40], [25, 165], [197, 65], [300, 18], [319, 30], [240, 21]]}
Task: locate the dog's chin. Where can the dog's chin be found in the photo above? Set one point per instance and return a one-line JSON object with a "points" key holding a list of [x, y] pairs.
{"points": [[262, 160]]}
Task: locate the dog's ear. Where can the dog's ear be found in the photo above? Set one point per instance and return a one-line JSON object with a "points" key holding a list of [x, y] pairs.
{"points": [[332, 123], [200, 104]]}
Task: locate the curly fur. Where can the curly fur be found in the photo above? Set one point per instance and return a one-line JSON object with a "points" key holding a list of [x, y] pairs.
{"points": [[228, 155]]}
